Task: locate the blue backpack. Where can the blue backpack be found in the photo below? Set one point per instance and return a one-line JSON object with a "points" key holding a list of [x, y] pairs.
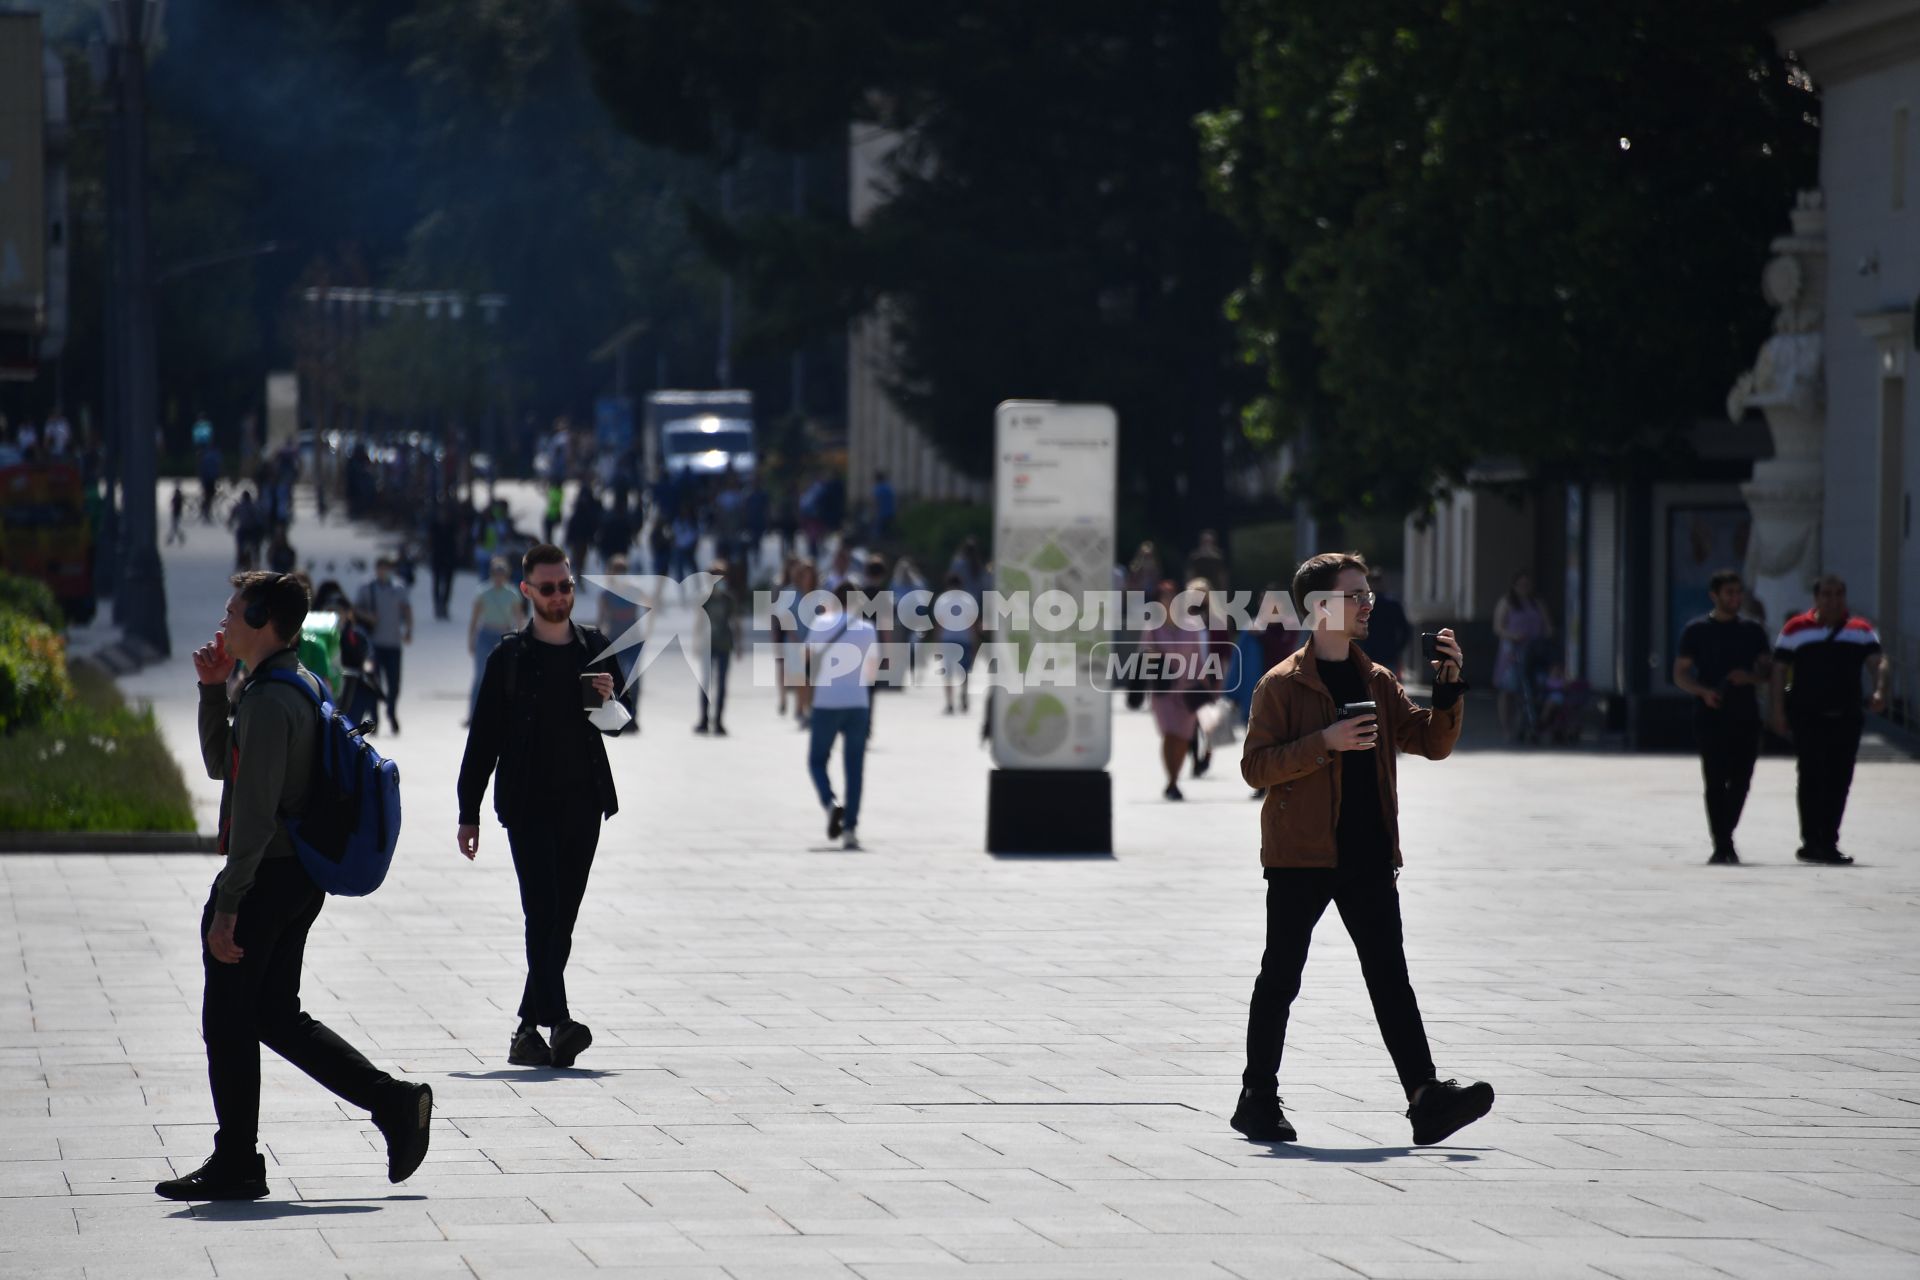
{"points": [[346, 838]]}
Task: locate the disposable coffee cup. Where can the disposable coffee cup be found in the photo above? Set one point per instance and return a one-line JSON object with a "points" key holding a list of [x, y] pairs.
{"points": [[590, 698]]}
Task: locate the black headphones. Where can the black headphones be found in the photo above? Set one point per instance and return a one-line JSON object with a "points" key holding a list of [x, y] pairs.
{"points": [[257, 614]]}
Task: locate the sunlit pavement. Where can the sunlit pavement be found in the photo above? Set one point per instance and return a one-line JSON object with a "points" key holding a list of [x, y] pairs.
{"points": [[919, 1059]]}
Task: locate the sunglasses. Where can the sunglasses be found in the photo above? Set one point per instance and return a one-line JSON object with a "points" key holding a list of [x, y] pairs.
{"points": [[564, 587]]}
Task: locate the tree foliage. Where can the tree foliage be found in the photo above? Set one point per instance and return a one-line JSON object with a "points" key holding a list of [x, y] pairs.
{"points": [[1482, 228], [1046, 235]]}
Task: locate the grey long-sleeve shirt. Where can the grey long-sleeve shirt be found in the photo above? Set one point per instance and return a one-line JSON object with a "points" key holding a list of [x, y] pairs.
{"points": [[273, 730]]}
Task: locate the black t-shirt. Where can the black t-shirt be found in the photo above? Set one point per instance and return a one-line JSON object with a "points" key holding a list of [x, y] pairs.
{"points": [[1826, 663], [562, 760], [1719, 649], [1361, 831]]}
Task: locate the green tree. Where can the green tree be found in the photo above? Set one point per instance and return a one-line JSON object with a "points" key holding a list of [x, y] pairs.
{"points": [[1482, 228], [1047, 235]]}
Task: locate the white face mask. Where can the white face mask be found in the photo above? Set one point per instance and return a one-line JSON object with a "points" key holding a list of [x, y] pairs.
{"points": [[609, 716]]}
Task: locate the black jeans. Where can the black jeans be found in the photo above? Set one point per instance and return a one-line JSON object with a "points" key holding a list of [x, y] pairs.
{"points": [[1825, 747], [442, 587], [257, 1001], [1728, 746], [1369, 903], [717, 665], [387, 659], [553, 858]]}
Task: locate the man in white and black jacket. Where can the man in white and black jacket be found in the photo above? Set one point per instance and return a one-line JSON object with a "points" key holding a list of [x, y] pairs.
{"points": [[554, 788]]}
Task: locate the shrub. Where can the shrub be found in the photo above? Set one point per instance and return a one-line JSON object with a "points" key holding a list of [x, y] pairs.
{"points": [[33, 671], [94, 764], [31, 598]]}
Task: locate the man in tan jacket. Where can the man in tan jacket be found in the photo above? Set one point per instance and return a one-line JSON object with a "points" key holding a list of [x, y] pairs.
{"points": [[1325, 731]]}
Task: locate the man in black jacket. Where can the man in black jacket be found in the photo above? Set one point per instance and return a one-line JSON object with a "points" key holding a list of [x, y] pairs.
{"points": [[554, 787]]}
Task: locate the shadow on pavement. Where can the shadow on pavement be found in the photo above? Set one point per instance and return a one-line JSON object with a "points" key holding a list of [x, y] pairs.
{"points": [[535, 1073], [1055, 857], [1359, 1155], [263, 1210]]}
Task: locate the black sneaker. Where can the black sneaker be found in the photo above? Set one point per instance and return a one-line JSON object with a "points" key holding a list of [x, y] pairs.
{"points": [[1445, 1108], [217, 1179], [1724, 858], [719, 730], [835, 820], [406, 1125], [701, 727], [570, 1040], [529, 1049], [1172, 792], [1260, 1118], [1824, 857]]}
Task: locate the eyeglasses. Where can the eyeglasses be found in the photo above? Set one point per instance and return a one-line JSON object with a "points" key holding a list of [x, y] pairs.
{"points": [[564, 587], [1358, 597]]}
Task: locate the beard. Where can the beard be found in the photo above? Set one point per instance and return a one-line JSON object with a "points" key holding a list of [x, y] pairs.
{"points": [[558, 609]]}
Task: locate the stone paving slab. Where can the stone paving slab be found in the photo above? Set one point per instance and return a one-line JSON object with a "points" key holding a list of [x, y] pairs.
{"points": [[923, 1061]]}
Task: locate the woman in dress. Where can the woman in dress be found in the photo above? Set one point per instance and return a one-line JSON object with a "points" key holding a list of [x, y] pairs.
{"points": [[1180, 642]]}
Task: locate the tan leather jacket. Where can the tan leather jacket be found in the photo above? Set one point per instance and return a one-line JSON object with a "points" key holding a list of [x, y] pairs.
{"points": [[1286, 753]]}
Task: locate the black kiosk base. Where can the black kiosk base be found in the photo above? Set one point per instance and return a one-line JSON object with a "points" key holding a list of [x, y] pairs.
{"points": [[1049, 811]]}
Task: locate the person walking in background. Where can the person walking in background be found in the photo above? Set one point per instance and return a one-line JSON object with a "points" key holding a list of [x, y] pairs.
{"points": [[443, 554], [386, 609], [616, 617], [583, 526], [176, 507], [843, 657], [556, 505], [1722, 660], [956, 620], [1208, 561], [1817, 663], [686, 541], [1389, 631], [722, 607], [553, 790], [263, 904], [1179, 646], [1328, 725], [497, 610], [246, 522], [615, 535], [1520, 621]]}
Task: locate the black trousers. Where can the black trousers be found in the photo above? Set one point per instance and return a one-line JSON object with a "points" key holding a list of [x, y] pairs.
{"points": [[442, 587], [257, 1001], [1728, 746], [1369, 903], [553, 858], [387, 659], [1825, 747], [717, 664]]}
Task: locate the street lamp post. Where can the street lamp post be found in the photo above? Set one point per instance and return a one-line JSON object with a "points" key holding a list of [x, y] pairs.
{"points": [[140, 602]]}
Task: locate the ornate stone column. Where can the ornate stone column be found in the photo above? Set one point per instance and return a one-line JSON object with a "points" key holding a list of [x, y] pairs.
{"points": [[1787, 385]]}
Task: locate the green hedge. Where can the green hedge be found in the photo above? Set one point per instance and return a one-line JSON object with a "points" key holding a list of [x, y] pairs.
{"points": [[31, 597], [92, 764], [929, 532], [33, 672]]}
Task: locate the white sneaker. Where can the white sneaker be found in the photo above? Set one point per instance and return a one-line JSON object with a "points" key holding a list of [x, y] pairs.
{"points": [[850, 840]]}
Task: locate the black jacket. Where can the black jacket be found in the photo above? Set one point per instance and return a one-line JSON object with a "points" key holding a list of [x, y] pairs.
{"points": [[502, 732]]}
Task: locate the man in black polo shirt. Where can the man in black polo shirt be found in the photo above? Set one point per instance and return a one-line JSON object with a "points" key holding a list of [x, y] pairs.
{"points": [[1818, 706], [1722, 659]]}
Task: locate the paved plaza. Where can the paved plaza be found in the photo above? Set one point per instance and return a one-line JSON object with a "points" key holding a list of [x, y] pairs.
{"points": [[920, 1060]]}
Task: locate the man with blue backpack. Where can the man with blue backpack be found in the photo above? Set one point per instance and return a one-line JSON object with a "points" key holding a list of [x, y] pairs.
{"points": [[284, 788]]}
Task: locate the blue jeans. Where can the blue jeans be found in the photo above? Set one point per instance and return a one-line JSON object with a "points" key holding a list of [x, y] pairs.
{"points": [[827, 723]]}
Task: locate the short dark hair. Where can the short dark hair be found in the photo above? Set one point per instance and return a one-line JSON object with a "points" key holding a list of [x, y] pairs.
{"points": [[1318, 573], [284, 595], [538, 554], [1723, 578]]}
